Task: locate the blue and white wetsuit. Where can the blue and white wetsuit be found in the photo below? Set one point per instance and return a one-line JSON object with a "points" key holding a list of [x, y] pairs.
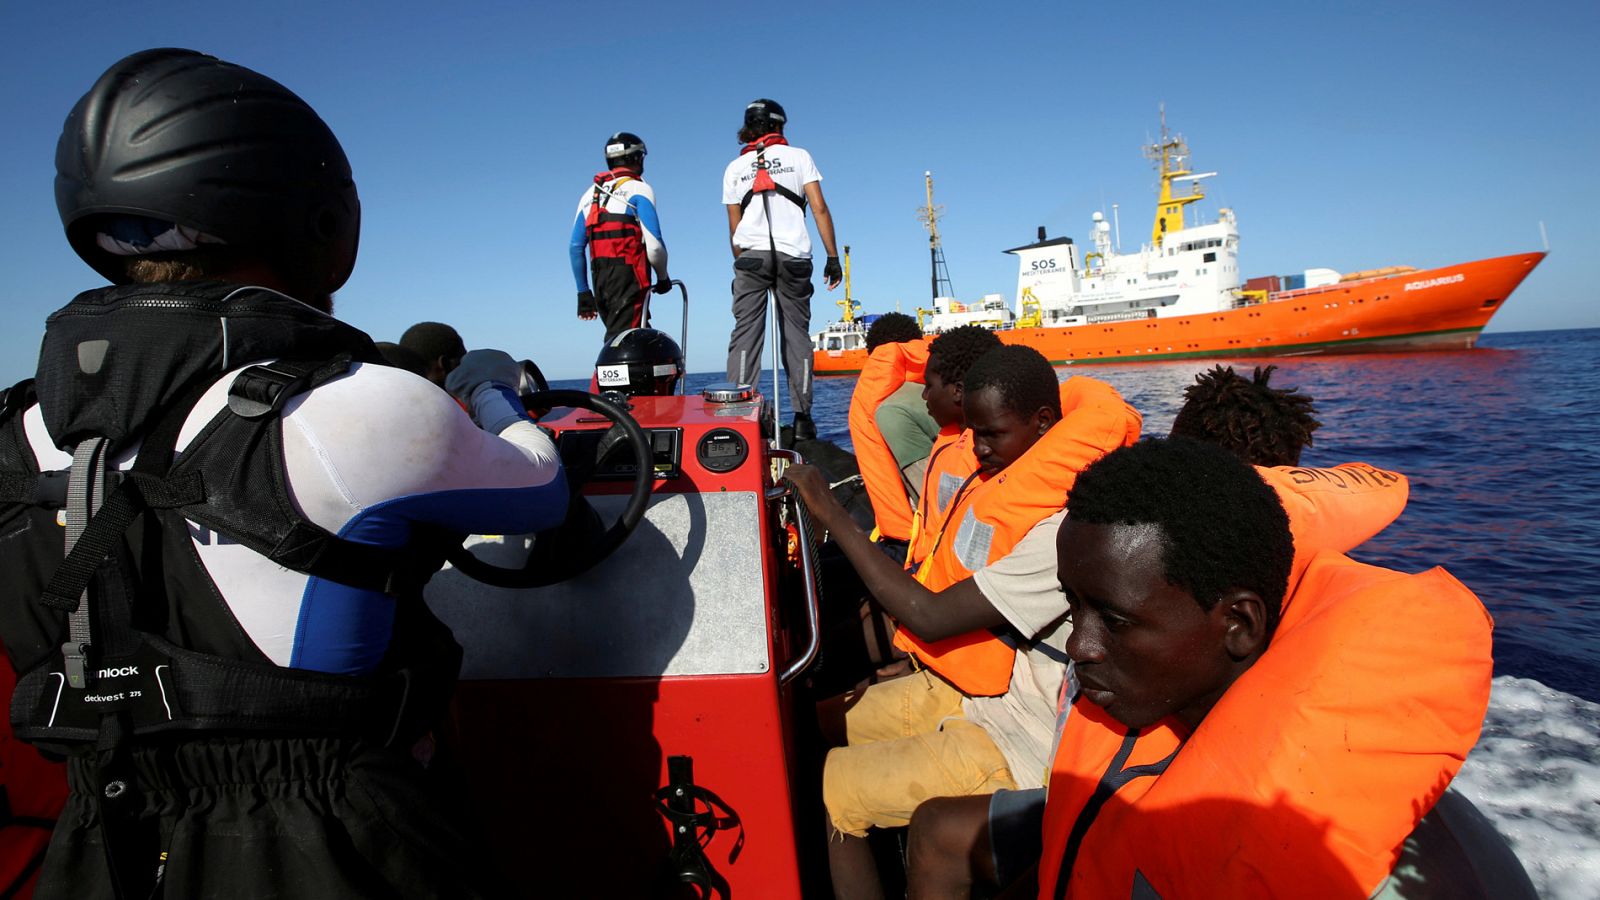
{"points": [[368, 456], [625, 195]]}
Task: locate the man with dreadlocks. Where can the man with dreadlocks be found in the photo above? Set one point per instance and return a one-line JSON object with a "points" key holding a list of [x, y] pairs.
{"points": [[1262, 425]]}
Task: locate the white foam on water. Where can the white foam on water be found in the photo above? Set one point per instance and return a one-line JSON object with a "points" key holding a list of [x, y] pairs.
{"points": [[1535, 774]]}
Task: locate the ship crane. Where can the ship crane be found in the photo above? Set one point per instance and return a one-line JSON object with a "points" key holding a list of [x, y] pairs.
{"points": [[849, 304], [930, 216]]}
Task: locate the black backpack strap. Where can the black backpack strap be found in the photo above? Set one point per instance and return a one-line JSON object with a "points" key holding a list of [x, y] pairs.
{"points": [[16, 398], [96, 520], [19, 470], [263, 390]]}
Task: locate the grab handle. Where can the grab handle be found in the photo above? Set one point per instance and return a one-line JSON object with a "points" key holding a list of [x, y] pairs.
{"points": [[808, 573]]}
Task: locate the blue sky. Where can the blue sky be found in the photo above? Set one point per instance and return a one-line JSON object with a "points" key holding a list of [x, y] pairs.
{"points": [[1347, 135]]}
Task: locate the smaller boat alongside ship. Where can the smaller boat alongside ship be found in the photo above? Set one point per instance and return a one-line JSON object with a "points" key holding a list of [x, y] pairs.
{"points": [[1180, 296], [848, 334]]}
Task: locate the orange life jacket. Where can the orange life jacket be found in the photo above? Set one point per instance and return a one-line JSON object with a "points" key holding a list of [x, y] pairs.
{"points": [[1309, 773], [886, 370], [1338, 508], [951, 465], [994, 513]]}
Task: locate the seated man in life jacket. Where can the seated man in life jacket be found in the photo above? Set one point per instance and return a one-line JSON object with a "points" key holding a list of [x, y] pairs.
{"points": [[1241, 723], [857, 634], [957, 842], [950, 460], [983, 614], [890, 425], [228, 640]]}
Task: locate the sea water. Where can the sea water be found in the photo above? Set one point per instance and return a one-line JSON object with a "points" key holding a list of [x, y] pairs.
{"points": [[1502, 448]]}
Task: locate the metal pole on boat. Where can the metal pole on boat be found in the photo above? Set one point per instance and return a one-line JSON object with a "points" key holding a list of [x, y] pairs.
{"points": [[683, 336], [777, 338]]}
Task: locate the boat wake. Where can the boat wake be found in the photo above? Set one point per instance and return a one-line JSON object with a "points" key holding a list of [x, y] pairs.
{"points": [[1535, 774]]}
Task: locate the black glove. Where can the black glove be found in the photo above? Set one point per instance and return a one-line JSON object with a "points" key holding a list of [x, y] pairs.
{"points": [[663, 286], [831, 272], [587, 308]]}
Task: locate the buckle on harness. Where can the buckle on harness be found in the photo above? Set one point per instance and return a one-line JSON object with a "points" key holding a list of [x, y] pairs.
{"points": [[260, 390], [75, 656]]}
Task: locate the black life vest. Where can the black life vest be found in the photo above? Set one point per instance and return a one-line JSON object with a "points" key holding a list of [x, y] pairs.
{"points": [[126, 635], [763, 182], [615, 239]]}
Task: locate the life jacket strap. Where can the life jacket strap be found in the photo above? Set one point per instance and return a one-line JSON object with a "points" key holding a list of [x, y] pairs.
{"points": [[16, 398], [260, 390], [46, 489], [763, 183], [85, 496], [200, 692]]}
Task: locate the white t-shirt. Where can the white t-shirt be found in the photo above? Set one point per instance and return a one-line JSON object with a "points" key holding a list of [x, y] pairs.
{"points": [[789, 166], [1023, 587]]}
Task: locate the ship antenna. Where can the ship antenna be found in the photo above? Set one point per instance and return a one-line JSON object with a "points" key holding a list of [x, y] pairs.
{"points": [[1171, 158], [930, 216]]}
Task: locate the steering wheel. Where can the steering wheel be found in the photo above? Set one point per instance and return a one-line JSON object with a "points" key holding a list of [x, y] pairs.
{"points": [[531, 576]]}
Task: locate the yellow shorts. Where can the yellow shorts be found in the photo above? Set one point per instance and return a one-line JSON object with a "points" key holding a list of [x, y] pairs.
{"points": [[908, 742]]}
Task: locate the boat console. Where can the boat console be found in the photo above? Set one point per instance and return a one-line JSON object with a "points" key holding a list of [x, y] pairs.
{"points": [[580, 699]]}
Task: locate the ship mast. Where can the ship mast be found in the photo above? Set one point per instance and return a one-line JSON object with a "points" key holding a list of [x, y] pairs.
{"points": [[1171, 156], [930, 216], [849, 305]]}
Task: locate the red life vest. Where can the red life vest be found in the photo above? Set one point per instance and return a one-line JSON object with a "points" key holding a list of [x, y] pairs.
{"points": [[995, 513], [1309, 773], [615, 237], [763, 182]]}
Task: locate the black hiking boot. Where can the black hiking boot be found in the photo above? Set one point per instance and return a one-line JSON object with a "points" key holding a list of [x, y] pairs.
{"points": [[804, 428]]}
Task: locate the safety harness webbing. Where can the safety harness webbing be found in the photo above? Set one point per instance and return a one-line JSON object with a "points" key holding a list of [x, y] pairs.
{"points": [[85, 490]]}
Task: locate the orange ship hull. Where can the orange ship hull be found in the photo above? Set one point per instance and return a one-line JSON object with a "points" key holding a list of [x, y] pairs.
{"points": [[1433, 309]]}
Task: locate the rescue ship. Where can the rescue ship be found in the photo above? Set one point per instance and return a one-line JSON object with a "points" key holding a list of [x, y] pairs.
{"points": [[1180, 296]]}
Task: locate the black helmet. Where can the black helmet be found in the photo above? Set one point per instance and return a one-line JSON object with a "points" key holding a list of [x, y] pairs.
{"points": [[185, 138], [765, 114], [624, 144], [640, 362]]}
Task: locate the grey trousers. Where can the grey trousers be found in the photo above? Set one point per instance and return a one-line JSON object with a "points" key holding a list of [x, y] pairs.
{"points": [[752, 278]]}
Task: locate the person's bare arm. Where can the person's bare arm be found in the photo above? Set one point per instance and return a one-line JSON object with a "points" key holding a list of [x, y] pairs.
{"points": [[819, 209], [734, 215], [931, 616]]}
